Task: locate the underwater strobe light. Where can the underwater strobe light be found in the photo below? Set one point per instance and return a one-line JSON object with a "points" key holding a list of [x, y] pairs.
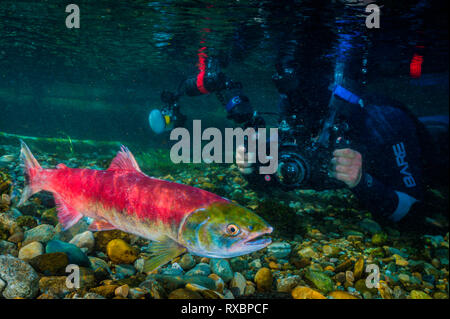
{"points": [[168, 117], [159, 122]]}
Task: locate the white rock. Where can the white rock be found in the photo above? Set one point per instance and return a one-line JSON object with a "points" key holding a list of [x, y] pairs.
{"points": [[21, 279], [31, 250], [84, 240], [238, 283]]}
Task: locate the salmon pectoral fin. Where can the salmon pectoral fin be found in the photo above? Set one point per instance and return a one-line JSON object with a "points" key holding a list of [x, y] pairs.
{"points": [[67, 215], [162, 252], [99, 225]]}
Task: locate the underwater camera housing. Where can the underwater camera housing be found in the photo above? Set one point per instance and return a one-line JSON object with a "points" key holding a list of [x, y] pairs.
{"points": [[305, 163]]}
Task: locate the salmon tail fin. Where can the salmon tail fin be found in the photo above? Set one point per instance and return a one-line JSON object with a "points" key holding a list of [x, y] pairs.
{"points": [[31, 171]]}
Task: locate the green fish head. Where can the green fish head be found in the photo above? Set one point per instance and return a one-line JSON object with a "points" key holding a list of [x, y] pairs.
{"points": [[223, 230]]}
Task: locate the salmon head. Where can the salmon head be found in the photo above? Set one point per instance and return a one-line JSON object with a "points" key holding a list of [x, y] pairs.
{"points": [[223, 230]]}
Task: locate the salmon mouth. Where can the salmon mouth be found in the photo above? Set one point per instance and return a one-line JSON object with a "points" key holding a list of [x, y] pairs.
{"points": [[259, 241], [260, 238]]}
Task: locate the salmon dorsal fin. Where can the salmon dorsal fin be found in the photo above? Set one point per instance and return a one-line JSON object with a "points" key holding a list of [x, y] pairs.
{"points": [[124, 160]]}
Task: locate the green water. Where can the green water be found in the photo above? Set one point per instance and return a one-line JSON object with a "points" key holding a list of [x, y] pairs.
{"points": [[75, 95], [101, 81]]}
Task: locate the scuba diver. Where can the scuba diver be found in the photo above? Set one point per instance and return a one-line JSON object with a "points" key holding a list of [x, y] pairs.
{"points": [[330, 137], [373, 145]]}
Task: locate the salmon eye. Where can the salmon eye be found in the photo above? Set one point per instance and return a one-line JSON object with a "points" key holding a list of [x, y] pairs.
{"points": [[232, 230]]}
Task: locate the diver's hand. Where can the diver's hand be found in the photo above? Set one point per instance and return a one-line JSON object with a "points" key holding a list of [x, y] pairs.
{"points": [[245, 160], [346, 166]]}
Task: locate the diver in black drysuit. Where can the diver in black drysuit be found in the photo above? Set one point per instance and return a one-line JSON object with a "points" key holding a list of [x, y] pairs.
{"points": [[401, 154]]}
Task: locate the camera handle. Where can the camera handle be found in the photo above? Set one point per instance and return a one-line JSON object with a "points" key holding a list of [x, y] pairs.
{"points": [[338, 136]]}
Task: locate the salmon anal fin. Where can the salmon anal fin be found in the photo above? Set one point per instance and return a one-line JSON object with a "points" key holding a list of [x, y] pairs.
{"points": [[67, 215], [124, 160], [162, 252], [98, 225]]}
